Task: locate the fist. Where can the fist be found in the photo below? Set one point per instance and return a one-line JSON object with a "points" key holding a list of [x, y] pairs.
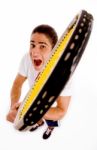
{"points": [[13, 112]]}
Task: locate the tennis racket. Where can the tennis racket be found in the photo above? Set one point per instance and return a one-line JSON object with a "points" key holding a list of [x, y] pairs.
{"points": [[56, 73]]}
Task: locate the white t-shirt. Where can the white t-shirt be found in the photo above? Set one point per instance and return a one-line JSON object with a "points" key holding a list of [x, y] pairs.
{"points": [[26, 69]]}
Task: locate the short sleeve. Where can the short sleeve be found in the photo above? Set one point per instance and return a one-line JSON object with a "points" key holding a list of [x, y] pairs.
{"points": [[23, 67], [67, 90]]}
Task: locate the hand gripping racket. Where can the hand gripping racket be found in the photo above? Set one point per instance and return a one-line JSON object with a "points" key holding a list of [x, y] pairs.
{"points": [[56, 73]]}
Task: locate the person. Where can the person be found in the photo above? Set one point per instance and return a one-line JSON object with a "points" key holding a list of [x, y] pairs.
{"points": [[43, 39]]}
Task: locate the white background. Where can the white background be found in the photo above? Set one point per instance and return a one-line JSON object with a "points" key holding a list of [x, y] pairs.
{"points": [[78, 130]]}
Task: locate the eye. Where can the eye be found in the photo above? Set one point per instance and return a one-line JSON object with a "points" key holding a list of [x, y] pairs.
{"points": [[32, 45], [42, 46]]}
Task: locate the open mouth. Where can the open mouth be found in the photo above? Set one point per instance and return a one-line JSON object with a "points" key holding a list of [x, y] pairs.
{"points": [[37, 62]]}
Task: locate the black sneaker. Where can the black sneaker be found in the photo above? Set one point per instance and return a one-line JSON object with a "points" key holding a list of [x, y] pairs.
{"points": [[36, 126], [47, 133]]}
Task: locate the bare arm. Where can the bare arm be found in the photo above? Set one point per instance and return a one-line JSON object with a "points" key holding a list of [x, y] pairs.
{"points": [[58, 112], [16, 89], [15, 95]]}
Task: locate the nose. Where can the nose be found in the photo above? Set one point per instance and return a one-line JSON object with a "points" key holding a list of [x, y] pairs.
{"points": [[35, 51]]}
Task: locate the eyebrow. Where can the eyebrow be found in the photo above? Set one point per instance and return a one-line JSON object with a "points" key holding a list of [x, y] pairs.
{"points": [[39, 42]]}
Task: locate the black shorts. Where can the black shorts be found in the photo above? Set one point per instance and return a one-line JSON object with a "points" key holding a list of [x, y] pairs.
{"points": [[52, 123]]}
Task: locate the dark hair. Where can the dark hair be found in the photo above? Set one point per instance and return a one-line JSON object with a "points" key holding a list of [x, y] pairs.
{"points": [[48, 31]]}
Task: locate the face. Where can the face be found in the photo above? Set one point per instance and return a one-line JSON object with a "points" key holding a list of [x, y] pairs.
{"points": [[40, 49]]}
